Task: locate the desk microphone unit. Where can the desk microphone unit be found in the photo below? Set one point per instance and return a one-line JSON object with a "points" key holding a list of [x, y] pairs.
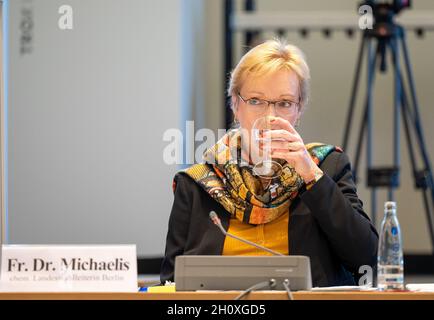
{"points": [[213, 272]]}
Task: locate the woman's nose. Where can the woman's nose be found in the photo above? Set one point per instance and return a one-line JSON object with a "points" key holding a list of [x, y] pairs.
{"points": [[271, 110]]}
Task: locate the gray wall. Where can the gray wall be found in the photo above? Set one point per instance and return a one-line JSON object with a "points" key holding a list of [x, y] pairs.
{"points": [[2, 173], [87, 112]]}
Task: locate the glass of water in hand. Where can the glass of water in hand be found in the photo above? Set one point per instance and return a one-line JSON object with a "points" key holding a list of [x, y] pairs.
{"points": [[263, 164]]}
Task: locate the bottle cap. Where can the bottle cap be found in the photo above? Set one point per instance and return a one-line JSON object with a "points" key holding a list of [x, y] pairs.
{"points": [[390, 205]]}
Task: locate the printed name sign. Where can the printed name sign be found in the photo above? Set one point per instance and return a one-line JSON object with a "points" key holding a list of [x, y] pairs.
{"points": [[55, 268]]}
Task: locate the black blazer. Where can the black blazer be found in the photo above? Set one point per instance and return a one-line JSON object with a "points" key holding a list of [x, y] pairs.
{"points": [[327, 223]]}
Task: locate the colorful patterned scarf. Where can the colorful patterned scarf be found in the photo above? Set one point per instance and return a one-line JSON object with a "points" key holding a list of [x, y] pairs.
{"points": [[241, 192]]}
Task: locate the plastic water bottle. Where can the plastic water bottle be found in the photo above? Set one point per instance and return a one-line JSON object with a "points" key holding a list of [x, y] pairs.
{"points": [[390, 257]]}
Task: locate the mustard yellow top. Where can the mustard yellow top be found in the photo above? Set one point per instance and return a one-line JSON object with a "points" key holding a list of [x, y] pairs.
{"points": [[273, 235]]}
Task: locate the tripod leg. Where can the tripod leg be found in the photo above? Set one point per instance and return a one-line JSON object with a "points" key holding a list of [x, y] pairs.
{"points": [[367, 123], [354, 93], [371, 64], [372, 60], [428, 188], [425, 195], [407, 117], [417, 122], [393, 44], [360, 142]]}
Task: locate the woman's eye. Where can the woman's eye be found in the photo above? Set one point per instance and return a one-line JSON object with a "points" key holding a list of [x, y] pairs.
{"points": [[254, 102], [284, 104]]}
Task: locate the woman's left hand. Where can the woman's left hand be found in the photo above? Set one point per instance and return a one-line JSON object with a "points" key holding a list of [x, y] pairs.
{"points": [[290, 147]]}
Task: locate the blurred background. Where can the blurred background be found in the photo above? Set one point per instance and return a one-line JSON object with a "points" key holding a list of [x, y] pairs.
{"points": [[85, 108]]}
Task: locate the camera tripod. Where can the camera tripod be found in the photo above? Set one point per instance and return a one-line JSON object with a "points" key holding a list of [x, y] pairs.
{"points": [[387, 37]]}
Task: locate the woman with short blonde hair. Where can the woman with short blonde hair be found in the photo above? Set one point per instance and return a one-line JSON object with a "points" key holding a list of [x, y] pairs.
{"points": [[269, 57], [305, 204]]}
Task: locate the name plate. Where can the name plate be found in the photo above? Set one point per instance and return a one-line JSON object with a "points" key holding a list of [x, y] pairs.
{"points": [[67, 268]]}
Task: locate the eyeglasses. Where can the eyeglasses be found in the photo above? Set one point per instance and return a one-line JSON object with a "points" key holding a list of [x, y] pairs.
{"points": [[282, 107]]}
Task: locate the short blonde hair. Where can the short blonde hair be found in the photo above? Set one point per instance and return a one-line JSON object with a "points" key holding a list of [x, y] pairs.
{"points": [[271, 56]]}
